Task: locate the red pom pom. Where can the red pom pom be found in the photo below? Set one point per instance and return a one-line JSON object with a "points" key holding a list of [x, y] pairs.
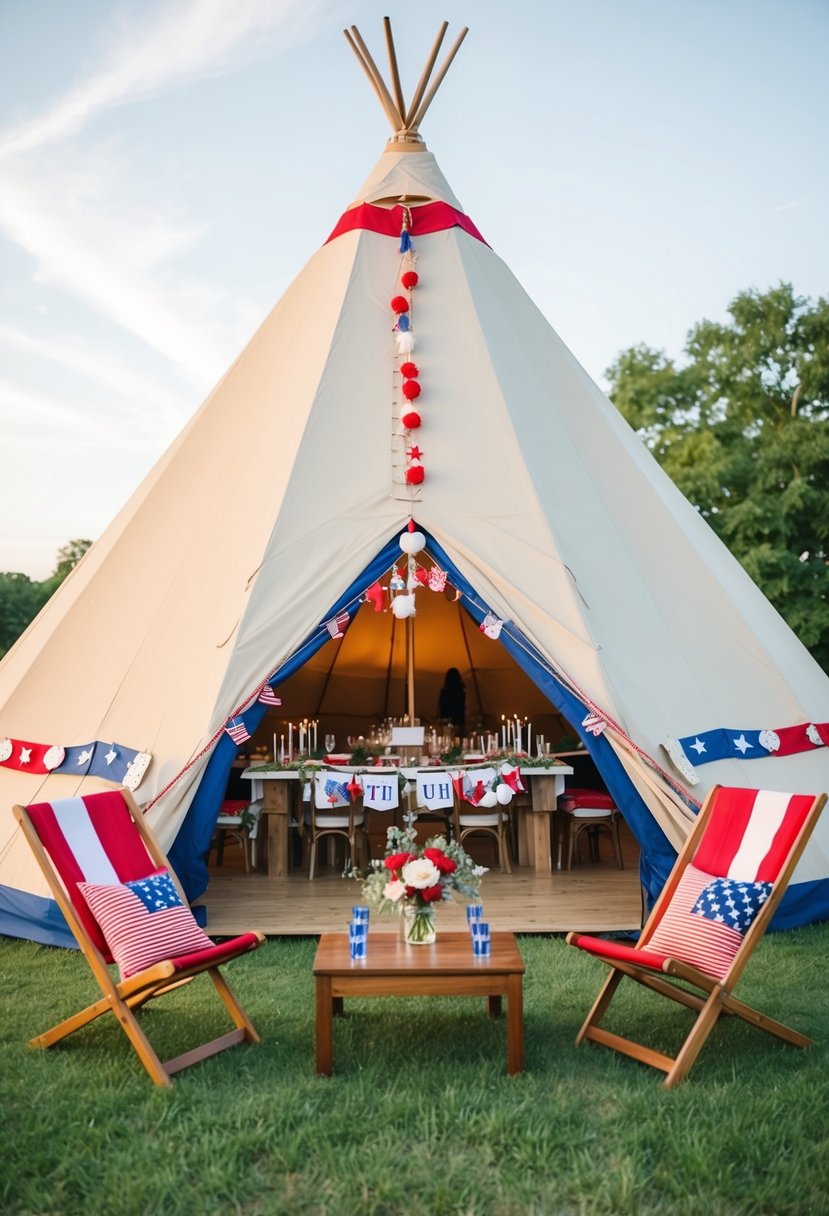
{"points": [[410, 390], [411, 420], [415, 475], [400, 304], [408, 370], [421, 576], [409, 279]]}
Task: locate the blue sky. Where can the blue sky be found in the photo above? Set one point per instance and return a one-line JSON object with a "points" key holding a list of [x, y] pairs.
{"points": [[166, 169]]}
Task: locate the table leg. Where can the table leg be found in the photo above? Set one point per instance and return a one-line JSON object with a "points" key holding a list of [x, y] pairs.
{"points": [[325, 1029], [277, 815], [515, 1025], [493, 1006], [337, 1006]]}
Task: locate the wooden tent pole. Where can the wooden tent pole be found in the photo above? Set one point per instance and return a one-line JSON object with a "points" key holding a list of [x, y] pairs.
{"points": [[395, 73], [413, 122], [410, 668], [424, 79], [370, 68]]}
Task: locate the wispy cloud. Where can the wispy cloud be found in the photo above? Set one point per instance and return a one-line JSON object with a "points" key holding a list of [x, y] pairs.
{"points": [[789, 206], [160, 47]]}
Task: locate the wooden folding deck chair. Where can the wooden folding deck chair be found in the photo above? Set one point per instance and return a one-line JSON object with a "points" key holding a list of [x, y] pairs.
{"points": [[714, 908], [98, 853]]}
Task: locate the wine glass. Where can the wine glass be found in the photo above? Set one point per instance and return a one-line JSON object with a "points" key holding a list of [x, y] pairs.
{"points": [[330, 744]]}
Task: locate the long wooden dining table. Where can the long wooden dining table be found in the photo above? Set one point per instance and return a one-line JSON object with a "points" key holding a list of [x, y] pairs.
{"points": [[277, 790]]}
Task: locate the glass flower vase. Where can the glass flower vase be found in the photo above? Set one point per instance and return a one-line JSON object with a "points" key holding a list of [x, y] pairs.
{"points": [[418, 925]]}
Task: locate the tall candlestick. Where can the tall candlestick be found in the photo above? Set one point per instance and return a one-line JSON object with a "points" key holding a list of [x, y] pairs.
{"points": [[281, 749], [290, 741]]}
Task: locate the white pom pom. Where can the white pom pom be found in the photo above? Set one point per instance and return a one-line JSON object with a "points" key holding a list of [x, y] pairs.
{"points": [[490, 798], [404, 605], [405, 342], [504, 794], [412, 542]]}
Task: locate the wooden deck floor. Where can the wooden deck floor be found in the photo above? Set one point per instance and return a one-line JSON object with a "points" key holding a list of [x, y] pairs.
{"points": [[592, 897]]}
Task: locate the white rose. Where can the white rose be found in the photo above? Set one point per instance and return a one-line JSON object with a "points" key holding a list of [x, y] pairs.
{"points": [[394, 890], [420, 874]]}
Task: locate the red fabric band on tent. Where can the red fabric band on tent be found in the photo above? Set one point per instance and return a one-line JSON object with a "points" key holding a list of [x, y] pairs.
{"points": [[388, 221]]}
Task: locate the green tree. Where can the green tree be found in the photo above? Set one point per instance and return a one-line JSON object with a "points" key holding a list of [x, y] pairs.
{"points": [[21, 599], [741, 425]]}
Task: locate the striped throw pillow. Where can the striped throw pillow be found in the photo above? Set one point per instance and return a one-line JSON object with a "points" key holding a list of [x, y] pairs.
{"points": [[682, 933], [144, 921]]}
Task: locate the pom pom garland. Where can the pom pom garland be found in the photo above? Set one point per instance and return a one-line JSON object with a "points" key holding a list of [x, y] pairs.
{"points": [[399, 304], [405, 343], [411, 420], [407, 370], [415, 474], [409, 279], [410, 390], [412, 542]]}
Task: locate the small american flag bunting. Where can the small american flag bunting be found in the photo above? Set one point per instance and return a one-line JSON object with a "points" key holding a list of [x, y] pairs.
{"points": [[338, 624], [237, 730], [268, 697]]}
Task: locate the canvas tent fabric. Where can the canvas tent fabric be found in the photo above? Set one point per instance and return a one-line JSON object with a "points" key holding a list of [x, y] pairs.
{"points": [[283, 498]]}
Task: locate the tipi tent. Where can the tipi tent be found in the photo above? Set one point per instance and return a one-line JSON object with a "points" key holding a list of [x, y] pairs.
{"points": [[549, 518]]}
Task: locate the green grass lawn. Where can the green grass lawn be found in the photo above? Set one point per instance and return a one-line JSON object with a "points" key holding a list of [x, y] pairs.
{"points": [[420, 1117]]}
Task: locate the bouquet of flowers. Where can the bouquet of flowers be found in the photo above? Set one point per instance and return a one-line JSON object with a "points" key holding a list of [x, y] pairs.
{"points": [[412, 879]]}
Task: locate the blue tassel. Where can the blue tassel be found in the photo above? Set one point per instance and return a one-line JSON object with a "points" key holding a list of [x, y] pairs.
{"points": [[403, 323], [405, 241]]}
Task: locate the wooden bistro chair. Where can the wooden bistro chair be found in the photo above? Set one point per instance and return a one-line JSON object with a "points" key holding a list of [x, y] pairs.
{"points": [[494, 821], [328, 820], [713, 910], [124, 905], [589, 814]]}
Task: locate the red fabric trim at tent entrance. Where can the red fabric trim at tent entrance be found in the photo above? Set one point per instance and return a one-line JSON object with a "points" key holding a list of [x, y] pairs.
{"points": [[388, 221]]}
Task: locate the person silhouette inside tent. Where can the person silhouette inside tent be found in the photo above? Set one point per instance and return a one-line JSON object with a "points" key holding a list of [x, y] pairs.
{"points": [[452, 700]]}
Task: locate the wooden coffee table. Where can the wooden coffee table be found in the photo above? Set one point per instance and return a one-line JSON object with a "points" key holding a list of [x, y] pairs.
{"points": [[391, 968]]}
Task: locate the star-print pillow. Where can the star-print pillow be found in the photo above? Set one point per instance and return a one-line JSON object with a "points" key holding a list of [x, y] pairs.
{"points": [[144, 921]]}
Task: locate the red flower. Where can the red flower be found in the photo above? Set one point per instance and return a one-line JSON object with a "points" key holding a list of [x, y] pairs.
{"points": [[398, 860], [440, 861], [429, 894]]}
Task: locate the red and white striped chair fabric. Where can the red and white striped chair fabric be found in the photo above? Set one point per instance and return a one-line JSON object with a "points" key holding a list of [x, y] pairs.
{"points": [[714, 908], [97, 851]]}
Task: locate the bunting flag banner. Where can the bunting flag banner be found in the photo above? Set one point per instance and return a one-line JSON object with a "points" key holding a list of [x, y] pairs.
{"points": [[491, 625], [268, 697], [354, 786], [329, 792], [594, 723], [117, 763], [338, 624], [434, 792], [462, 784], [237, 730], [380, 793], [725, 744], [512, 777]]}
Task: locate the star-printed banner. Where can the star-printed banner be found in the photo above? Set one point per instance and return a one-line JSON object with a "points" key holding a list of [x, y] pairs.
{"points": [[725, 744], [113, 761]]}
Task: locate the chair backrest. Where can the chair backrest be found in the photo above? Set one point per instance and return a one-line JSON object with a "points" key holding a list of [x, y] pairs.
{"points": [[94, 838], [749, 834], [749, 837]]}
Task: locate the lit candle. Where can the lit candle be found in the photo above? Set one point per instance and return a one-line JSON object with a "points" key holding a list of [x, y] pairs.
{"points": [[290, 740], [316, 724], [529, 738], [273, 753], [517, 735], [281, 749]]}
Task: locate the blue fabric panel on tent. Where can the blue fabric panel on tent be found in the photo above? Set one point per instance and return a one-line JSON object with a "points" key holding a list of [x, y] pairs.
{"points": [[189, 849], [35, 917], [657, 855], [803, 903]]}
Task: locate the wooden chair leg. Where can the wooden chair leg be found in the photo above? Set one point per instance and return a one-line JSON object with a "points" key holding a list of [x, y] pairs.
{"points": [[606, 994], [313, 857], [693, 1044]]}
